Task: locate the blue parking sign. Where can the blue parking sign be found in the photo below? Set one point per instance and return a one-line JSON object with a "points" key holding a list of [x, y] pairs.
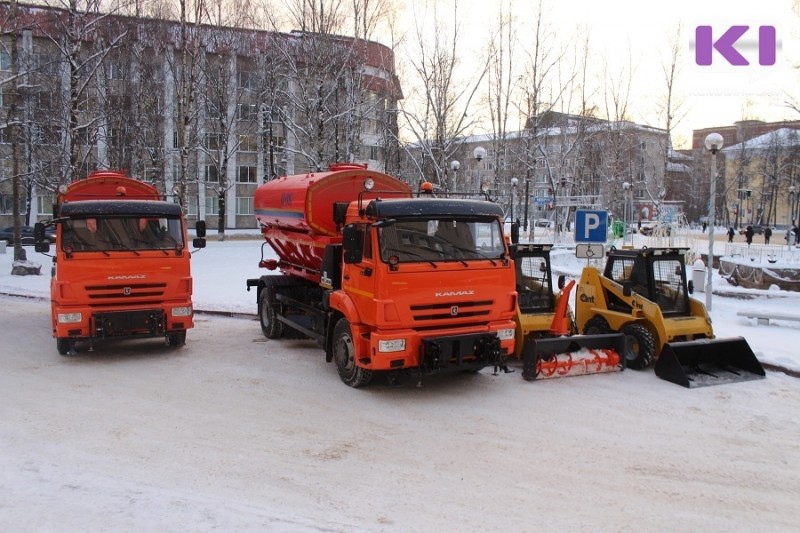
{"points": [[591, 226]]}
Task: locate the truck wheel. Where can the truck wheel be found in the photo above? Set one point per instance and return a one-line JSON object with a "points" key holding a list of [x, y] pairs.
{"points": [[344, 354], [640, 346], [596, 325], [270, 325], [63, 345], [177, 339]]}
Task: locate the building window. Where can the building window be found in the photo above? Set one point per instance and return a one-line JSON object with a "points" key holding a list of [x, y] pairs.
{"points": [[247, 175], [246, 79], [247, 111], [213, 141], [5, 61], [244, 205], [248, 143], [44, 204], [212, 204], [5, 135], [212, 173]]}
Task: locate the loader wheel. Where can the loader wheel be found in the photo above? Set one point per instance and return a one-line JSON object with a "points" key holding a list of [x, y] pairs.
{"points": [[344, 354], [596, 326], [270, 325], [640, 346]]}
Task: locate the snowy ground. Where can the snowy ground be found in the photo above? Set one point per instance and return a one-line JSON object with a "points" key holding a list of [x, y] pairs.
{"points": [[236, 432]]}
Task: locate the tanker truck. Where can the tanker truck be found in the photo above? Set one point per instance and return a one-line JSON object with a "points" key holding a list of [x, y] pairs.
{"points": [[384, 281], [120, 267]]}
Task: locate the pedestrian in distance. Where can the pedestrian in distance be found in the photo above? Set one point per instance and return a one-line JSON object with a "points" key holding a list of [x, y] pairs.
{"points": [[748, 235], [731, 233], [767, 234]]}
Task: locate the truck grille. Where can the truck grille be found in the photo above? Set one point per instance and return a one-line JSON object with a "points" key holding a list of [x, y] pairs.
{"points": [[125, 290], [449, 310]]}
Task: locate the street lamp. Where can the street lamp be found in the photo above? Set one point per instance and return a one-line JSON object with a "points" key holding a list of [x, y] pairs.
{"points": [[713, 144], [790, 214], [454, 166], [514, 183], [626, 188], [479, 153]]}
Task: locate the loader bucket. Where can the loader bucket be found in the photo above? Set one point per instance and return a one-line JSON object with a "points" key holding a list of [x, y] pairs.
{"points": [[705, 362], [572, 356]]}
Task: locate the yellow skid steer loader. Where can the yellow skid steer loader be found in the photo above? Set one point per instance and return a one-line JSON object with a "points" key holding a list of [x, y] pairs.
{"points": [[644, 295]]}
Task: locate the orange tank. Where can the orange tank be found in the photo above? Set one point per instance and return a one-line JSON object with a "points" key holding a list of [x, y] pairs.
{"points": [[295, 213]]}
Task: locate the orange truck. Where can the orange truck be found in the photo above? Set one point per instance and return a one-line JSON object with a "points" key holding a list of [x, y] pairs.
{"points": [[385, 281], [121, 265]]}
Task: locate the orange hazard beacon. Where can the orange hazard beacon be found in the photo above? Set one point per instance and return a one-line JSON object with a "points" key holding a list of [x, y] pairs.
{"points": [[120, 266], [385, 281]]}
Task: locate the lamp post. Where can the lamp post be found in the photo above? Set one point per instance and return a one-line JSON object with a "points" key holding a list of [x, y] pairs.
{"points": [[713, 144], [626, 188], [479, 153], [514, 183], [454, 166]]}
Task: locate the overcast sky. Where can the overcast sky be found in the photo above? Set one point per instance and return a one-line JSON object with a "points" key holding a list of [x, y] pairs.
{"points": [[637, 32]]}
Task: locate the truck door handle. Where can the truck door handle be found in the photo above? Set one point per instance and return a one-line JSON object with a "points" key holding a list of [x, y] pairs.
{"points": [[366, 272]]}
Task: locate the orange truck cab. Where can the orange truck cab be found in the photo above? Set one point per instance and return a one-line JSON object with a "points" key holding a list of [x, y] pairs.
{"points": [[121, 264], [385, 281]]}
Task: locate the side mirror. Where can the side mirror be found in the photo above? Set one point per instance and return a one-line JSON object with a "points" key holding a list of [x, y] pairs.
{"points": [[200, 229], [690, 287], [38, 232], [562, 281], [352, 244], [199, 242]]}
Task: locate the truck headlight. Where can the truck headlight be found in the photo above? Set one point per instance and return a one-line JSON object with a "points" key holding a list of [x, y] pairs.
{"points": [[182, 311], [394, 345], [505, 334], [69, 318]]}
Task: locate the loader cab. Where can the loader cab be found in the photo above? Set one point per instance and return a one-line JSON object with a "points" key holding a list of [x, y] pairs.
{"points": [[534, 277], [655, 274]]}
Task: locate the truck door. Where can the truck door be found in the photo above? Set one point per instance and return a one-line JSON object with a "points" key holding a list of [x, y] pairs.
{"points": [[359, 277]]}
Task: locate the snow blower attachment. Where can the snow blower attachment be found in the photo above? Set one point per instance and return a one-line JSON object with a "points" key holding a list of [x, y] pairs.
{"points": [[573, 356], [704, 362], [546, 340]]}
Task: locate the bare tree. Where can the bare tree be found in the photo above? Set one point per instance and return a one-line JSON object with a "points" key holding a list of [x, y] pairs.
{"points": [[440, 114]]}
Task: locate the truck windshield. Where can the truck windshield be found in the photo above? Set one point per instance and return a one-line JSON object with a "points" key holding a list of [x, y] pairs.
{"points": [[121, 233], [414, 241]]}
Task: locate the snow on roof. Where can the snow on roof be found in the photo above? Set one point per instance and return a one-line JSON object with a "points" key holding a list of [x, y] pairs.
{"points": [[781, 137]]}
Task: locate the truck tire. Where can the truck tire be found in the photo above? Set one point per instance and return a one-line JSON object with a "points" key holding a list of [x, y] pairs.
{"points": [[177, 338], [344, 355], [63, 345], [270, 325], [640, 346], [596, 325]]}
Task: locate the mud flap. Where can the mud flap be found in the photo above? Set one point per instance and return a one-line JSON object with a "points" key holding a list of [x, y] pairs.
{"points": [[572, 356], [705, 362]]}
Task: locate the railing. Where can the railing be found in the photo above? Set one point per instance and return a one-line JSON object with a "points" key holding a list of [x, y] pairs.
{"points": [[764, 253]]}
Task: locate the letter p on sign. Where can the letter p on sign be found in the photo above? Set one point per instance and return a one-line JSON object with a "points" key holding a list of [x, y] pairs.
{"points": [[591, 226]]}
